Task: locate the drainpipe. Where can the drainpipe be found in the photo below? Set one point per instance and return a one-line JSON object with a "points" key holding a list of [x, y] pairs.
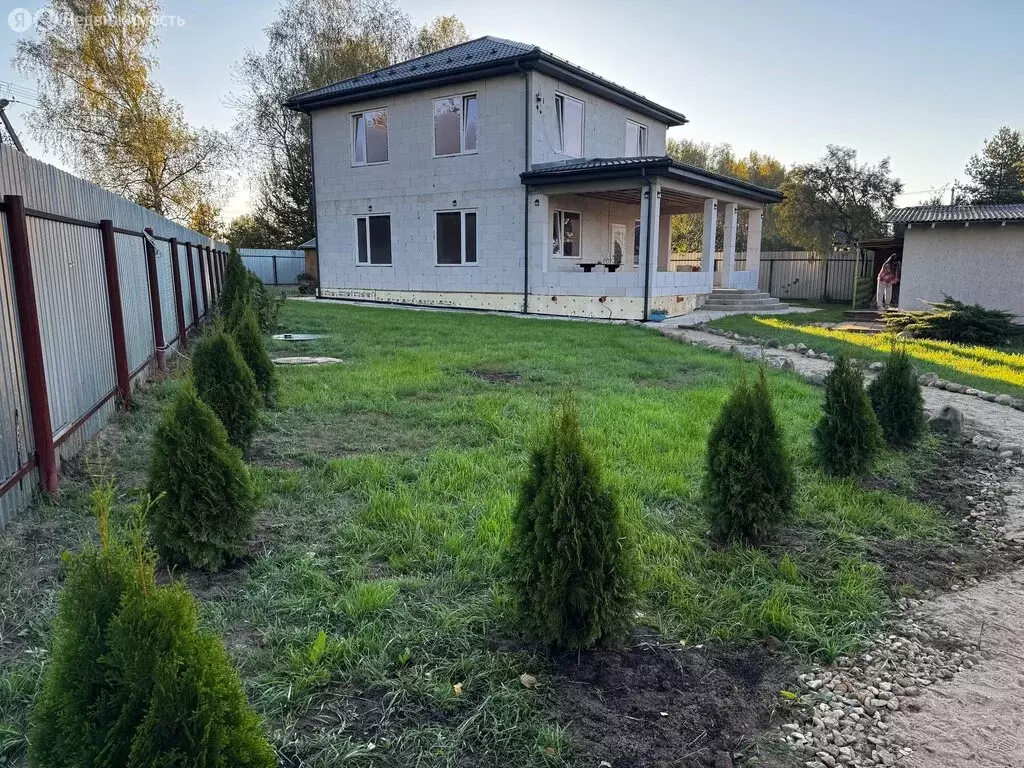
{"points": [[647, 265], [526, 189]]}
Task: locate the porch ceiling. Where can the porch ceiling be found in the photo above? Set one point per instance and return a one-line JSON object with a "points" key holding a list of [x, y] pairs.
{"points": [[672, 202]]}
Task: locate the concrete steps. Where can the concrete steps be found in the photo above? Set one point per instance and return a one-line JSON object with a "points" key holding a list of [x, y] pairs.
{"points": [[737, 300]]}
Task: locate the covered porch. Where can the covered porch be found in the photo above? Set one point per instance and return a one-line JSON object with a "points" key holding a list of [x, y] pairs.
{"points": [[600, 236]]}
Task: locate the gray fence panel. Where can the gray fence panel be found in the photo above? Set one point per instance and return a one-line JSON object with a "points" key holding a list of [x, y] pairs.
{"points": [[17, 445], [198, 275], [74, 318], [261, 266], [135, 303], [168, 313], [186, 296], [288, 269]]}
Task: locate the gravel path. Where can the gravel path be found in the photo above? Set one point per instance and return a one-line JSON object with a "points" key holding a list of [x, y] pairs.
{"points": [[971, 710]]}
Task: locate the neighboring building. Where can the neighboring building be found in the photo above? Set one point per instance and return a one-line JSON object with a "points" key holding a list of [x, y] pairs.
{"points": [[309, 248], [493, 175], [974, 253]]}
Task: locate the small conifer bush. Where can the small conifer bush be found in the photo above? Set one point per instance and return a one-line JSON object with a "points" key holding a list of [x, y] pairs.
{"points": [[132, 680], [895, 397], [254, 352], [204, 508], [748, 479], [226, 384], [235, 293], [570, 557], [847, 438]]}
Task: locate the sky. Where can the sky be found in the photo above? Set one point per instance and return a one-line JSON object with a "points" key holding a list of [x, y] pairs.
{"points": [[922, 82]]}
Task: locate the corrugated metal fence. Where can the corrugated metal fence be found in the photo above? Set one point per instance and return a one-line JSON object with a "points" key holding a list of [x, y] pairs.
{"points": [[793, 274], [80, 272], [272, 266]]}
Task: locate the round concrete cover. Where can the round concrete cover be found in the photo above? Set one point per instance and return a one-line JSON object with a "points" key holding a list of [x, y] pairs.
{"points": [[298, 336]]}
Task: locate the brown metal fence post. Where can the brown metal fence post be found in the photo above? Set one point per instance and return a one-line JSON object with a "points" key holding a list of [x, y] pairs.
{"points": [[31, 342], [124, 382], [202, 280], [179, 301], [274, 262], [192, 284], [154, 301]]}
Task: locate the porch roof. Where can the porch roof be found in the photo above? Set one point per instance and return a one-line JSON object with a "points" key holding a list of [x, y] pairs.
{"points": [[621, 168]]}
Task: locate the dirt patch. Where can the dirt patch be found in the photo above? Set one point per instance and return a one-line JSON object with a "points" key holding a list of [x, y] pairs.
{"points": [[495, 376], [654, 706]]}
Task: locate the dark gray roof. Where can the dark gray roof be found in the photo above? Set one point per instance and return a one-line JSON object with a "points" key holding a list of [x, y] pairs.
{"points": [[308, 245], [957, 213], [599, 168], [483, 57]]}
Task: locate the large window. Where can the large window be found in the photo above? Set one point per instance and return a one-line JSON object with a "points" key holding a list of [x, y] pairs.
{"points": [[565, 235], [456, 237], [569, 112], [636, 243], [455, 125], [370, 137], [636, 139], [373, 240]]}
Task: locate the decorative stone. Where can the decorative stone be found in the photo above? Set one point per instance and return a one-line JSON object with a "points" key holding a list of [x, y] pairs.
{"points": [[947, 421], [1003, 400], [928, 379]]}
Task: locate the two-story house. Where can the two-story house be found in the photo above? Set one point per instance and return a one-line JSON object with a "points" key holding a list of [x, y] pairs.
{"points": [[493, 175]]}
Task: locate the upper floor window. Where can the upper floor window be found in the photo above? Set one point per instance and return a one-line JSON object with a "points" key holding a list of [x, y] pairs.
{"points": [[370, 137], [455, 125], [569, 112], [636, 139]]}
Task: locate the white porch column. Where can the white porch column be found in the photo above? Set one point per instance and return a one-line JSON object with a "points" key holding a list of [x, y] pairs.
{"points": [[754, 217], [707, 257], [729, 244], [650, 216]]}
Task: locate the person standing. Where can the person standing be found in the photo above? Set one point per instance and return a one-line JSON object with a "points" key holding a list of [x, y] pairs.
{"points": [[888, 276]]}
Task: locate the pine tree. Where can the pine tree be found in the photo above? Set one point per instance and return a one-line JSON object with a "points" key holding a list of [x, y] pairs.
{"points": [[254, 352], [847, 438], [132, 679], [748, 479], [205, 505], [226, 384], [997, 172], [896, 399], [571, 557]]}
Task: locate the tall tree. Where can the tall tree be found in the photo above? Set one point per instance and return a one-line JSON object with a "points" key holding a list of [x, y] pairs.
{"points": [[102, 112], [756, 168], [204, 218], [836, 202], [247, 231], [312, 43], [998, 171]]}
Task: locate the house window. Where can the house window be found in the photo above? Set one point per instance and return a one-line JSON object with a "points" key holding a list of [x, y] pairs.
{"points": [[565, 235], [636, 139], [455, 125], [373, 240], [456, 237], [636, 243], [570, 125], [370, 137]]}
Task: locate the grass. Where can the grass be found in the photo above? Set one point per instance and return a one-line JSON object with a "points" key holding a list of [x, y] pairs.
{"points": [[372, 624], [983, 368]]}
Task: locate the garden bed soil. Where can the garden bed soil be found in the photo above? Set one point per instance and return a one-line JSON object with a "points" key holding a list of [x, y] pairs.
{"points": [[659, 706]]}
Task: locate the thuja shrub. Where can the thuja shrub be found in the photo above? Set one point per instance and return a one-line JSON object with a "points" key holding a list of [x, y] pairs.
{"points": [[226, 384], [266, 304], [748, 478], [254, 352], [896, 399], [132, 680], [847, 438], [204, 508], [234, 296], [571, 558]]}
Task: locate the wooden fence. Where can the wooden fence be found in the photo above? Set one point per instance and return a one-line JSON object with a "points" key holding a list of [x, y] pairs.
{"points": [[95, 291], [792, 274]]}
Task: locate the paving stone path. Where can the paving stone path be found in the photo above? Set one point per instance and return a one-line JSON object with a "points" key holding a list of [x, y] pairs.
{"points": [[975, 717]]}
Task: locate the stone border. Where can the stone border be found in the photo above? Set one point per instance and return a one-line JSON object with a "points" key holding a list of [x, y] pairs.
{"points": [[926, 379]]}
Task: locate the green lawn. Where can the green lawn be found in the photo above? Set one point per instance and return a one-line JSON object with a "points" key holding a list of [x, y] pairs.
{"points": [[999, 371], [388, 485]]}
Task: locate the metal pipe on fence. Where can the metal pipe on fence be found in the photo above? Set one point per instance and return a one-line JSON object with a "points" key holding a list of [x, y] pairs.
{"points": [[160, 348], [31, 343], [179, 302], [124, 382]]}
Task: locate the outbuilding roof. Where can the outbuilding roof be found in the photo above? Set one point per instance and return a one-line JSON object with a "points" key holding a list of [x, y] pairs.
{"points": [[924, 214], [476, 59], [309, 245], [602, 168]]}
